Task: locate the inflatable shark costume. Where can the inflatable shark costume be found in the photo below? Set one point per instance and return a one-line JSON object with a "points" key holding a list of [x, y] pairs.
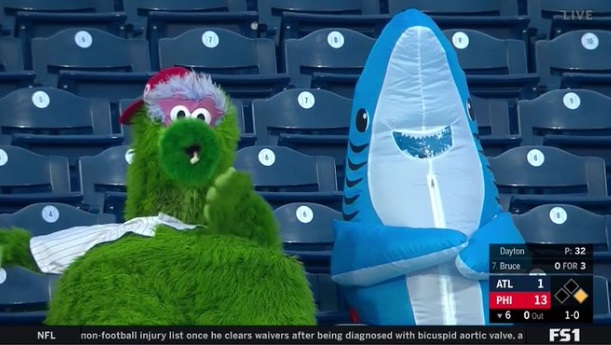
{"points": [[420, 206]]}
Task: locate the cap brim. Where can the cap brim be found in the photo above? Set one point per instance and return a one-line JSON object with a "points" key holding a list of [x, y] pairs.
{"points": [[129, 112]]}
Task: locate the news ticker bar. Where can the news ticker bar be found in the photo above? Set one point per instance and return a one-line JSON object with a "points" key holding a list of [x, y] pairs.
{"points": [[304, 335]]}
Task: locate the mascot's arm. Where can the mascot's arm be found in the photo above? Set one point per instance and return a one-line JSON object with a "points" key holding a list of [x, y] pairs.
{"points": [[366, 254], [233, 207], [474, 261], [15, 249]]}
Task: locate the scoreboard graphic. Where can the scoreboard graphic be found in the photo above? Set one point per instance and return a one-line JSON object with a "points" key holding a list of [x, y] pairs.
{"points": [[541, 284]]}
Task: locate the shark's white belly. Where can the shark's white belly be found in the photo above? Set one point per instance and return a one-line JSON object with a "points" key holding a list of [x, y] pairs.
{"points": [[402, 195]]}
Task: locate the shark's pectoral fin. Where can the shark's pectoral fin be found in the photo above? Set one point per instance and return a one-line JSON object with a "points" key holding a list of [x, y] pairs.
{"points": [[474, 261], [366, 254]]}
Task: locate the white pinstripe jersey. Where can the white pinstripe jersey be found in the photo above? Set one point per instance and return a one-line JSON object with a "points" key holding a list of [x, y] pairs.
{"points": [[54, 252]]}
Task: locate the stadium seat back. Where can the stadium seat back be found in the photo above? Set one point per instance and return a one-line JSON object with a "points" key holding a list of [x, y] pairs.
{"points": [[497, 124], [574, 112], [308, 120], [337, 51], [574, 120], [480, 53], [282, 175], [218, 51], [580, 51], [306, 226], [602, 304], [43, 24], [12, 64], [89, 50], [271, 11], [283, 169], [22, 171], [11, 54], [45, 218], [27, 177], [23, 292], [547, 171], [10, 8], [454, 8], [99, 184], [138, 10], [564, 224], [543, 13], [47, 110]]}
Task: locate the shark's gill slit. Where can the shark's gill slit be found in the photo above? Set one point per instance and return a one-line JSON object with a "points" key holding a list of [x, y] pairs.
{"points": [[350, 200], [350, 183], [358, 148], [353, 166], [349, 216]]}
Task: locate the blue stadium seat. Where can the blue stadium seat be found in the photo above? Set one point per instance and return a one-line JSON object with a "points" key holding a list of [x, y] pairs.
{"points": [[307, 233], [12, 74], [244, 67], [493, 66], [43, 24], [87, 51], [497, 125], [480, 53], [332, 308], [550, 18], [328, 58], [575, 120], [568, 224], [499, 18], [113, 86], [282, 175], [104, 189], [45, 218], [10, 8], [171, 24], [529, 176], [564, 224], [24, 296], [311, 121], [138, 10], [51, 121], [26, 178], [298, 25], [602, 303], [580, 56], [272, 11]]}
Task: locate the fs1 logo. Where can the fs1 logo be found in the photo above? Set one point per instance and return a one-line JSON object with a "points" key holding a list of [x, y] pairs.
{"points": [[564, 335]]}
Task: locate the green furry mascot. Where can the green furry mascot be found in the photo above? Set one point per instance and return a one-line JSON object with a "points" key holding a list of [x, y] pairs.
{"points": [[228, 268]]}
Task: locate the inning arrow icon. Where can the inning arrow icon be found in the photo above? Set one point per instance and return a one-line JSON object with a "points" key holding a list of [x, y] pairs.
{"points": [[500, 315]]}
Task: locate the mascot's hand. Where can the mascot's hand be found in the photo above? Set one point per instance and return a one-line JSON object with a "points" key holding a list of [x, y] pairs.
{"points": [[233, 207], [15, 249], [474, 261]]}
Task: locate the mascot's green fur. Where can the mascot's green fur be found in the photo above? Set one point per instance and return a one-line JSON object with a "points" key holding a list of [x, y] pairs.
{"points": [[230, 270]]}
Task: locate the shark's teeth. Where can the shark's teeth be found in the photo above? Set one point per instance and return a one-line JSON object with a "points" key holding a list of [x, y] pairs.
{"points": [[422, 133], [424, 144]]}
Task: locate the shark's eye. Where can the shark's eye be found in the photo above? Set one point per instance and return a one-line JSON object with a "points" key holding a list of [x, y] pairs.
{"points": [[179, 112], [362, 120], [202, 114], [470, 110]]}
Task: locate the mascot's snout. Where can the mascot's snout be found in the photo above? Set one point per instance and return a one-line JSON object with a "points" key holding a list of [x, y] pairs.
{"points": [[189, 108]]}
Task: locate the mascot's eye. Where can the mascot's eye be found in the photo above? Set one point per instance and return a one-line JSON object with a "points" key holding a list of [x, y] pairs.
{"points": [[362, 120], [178, 112], [202, 114], [470, 110]]}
